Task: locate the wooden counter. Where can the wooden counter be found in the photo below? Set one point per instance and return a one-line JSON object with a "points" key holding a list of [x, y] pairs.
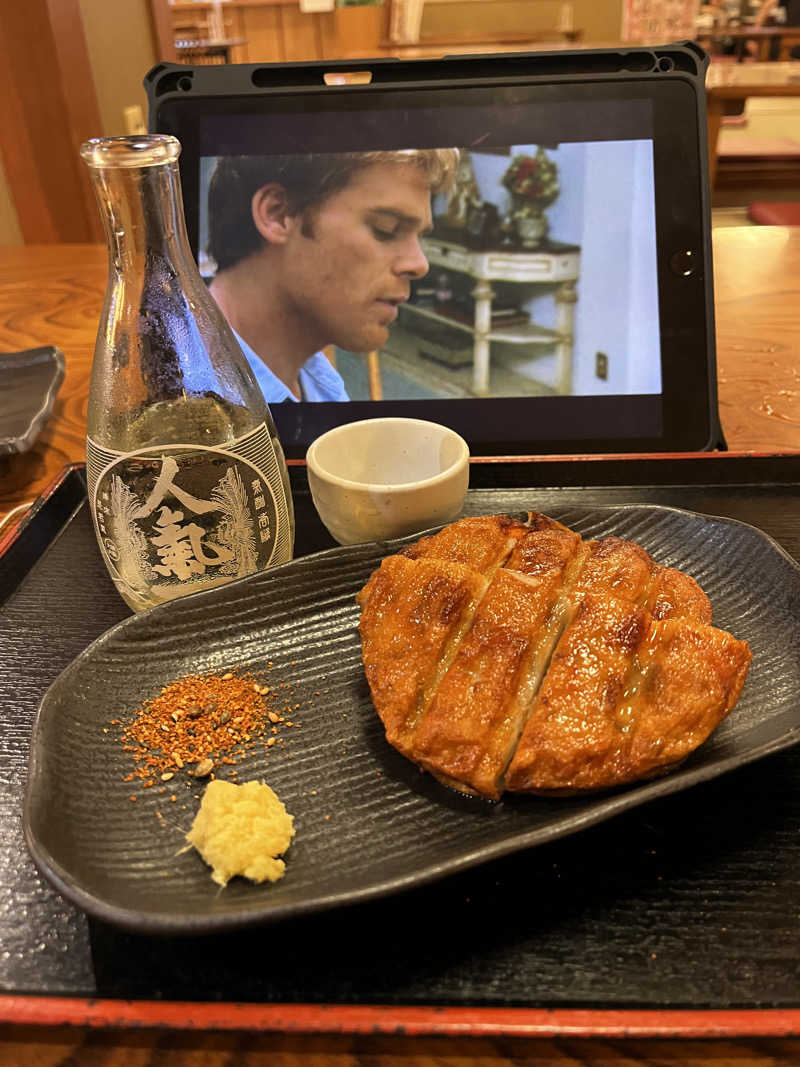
{"points": [[40, 1047], [52, 294]]}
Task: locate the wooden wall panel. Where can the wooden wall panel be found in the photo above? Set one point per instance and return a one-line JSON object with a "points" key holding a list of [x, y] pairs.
{"points": [[262, 31], [47, 108], [354, 32], [301, 34], [10, 233], [163, 37], [26, 189], [277, 31], [236, 30], [475, 18], [601, 20]]}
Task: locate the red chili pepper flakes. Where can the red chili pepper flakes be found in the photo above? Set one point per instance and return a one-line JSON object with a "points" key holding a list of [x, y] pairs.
{"points": [[193, 719]]}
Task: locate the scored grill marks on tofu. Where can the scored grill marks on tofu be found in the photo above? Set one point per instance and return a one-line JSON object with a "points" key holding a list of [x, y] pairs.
{"points": [[571, 726], [413, 616], [675, 595], [469, 731], [545, 671], [658, 701]]}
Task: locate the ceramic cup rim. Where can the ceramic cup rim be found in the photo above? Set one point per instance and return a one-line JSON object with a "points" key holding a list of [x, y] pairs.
{"points": [[384, 487]]}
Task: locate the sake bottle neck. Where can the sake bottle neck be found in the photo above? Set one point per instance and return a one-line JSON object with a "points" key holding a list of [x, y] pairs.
{"points": [[142, 214], [138, 188]]}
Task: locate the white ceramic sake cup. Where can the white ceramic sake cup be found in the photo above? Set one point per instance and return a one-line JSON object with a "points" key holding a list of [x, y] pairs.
{"points": [[383, 478]]}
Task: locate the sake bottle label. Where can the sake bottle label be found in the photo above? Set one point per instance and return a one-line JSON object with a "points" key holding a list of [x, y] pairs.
{"points": [[175, 518]]}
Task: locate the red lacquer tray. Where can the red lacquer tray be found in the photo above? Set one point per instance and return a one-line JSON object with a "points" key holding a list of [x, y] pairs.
{"points": [[677, 919]]}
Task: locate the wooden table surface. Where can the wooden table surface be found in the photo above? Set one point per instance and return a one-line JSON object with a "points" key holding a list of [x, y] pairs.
{"points": [[52, 295], [81, 1048]]}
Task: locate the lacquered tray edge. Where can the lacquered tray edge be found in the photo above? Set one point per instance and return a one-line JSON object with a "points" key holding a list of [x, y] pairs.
{"points": [[47, 1010], [23, 544], [407, 1020], [749, 467]]}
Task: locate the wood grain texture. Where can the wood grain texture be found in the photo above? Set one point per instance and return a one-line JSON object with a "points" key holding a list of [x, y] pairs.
{"points": [[300, 34], [60, 1046], [757, 284], [57, 292], [163, 36], [262, 29]]}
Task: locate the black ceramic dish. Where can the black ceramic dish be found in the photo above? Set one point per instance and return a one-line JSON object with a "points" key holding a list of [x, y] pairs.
{"points": [[368, 822], [29, 382]]}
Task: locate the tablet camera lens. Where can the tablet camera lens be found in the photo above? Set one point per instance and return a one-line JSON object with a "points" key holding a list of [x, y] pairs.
{"points": [[683, 263]]}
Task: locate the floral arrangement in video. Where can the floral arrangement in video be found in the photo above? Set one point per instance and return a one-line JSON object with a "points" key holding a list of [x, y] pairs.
{"points": [[532, 182]]}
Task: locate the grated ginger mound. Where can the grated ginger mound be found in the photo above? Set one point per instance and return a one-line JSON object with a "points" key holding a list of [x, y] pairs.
{"points": [[242, 829]]}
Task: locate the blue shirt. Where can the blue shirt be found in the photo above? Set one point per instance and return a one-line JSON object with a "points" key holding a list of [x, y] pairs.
{"points": [[318, 379]]}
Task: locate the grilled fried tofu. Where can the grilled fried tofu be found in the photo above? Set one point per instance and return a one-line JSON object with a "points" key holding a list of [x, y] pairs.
{"points": [[627, 696], [482, 543], [616, 568], [507, 653], [469, 732], [413, 615], [571, 731], [691, 676], [675, 595]]}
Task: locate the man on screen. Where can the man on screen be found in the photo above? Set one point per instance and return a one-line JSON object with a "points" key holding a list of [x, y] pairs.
{"points": [[318, 250]]}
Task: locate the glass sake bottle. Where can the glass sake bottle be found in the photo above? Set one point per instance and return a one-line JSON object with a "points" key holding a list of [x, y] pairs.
{"points": [[187, 481]]}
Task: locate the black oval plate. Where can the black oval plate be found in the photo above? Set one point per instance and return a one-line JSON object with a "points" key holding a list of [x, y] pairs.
{"points": [[368, 823]]}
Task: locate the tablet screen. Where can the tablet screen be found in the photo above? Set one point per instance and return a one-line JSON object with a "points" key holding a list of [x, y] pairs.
{"points": [[492, 257]]}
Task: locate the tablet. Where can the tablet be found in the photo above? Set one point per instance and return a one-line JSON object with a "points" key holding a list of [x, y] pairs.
{"points": [[517, 246]]}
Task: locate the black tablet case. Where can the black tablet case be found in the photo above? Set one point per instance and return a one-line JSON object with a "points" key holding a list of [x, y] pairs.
{"points": [[168, 82]]}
